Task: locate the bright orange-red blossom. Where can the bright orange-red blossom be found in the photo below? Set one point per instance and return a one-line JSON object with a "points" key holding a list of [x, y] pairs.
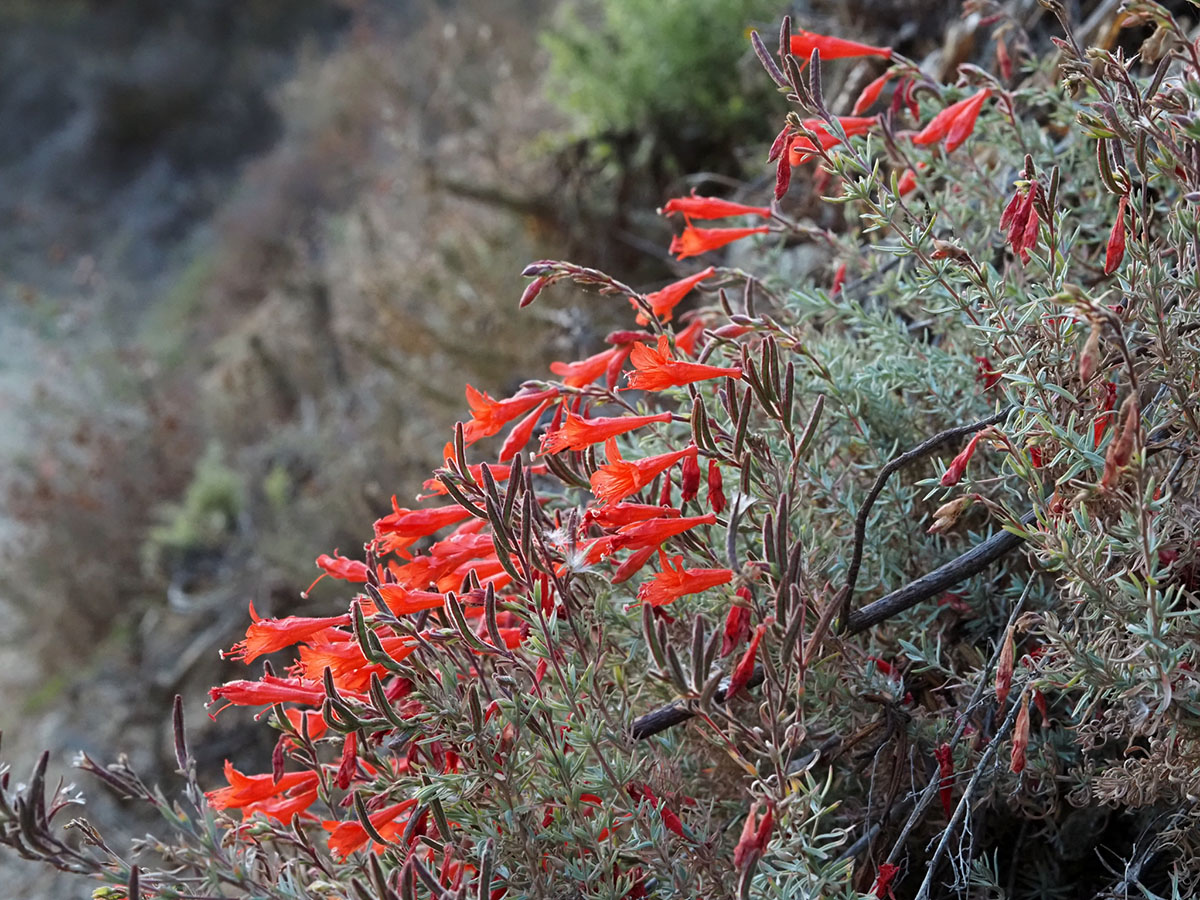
{"points": [[745, 667], [657, 369], [268, 691], [653, 532], [801, 149], [664, 300], [954, 123], [803, 44], [583, 372], [674, 581], [346, 837], [686, 340], [488, 416], [268, 635], [404, 527], [627, 513], [695, 241], [401, 600], [578, 433], [694, 207], [619, 479], [958, 465], [245, 790], [871, 93]]}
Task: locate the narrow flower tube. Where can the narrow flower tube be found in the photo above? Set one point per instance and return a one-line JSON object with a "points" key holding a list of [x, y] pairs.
{"points": [[745, 667], [583, 372], [1114, 251], [614, 482], [657, 369], [489, 416], [803, 43], [664, 300], [871, 93], [268, 635], [945, 760], [694, 207], [695, 241], [958, 118], [578, 433], [958, 465], [674, 581]]}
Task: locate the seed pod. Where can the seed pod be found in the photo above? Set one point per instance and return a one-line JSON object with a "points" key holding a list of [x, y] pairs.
{"points": [[1020, 739]]}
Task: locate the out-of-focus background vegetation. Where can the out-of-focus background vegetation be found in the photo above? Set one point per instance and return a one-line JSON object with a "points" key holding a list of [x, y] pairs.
{"points": [[250, 253]]}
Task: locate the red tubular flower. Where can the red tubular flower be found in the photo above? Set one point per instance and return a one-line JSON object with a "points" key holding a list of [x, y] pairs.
{"points": [[801, 149], [755, 834], [964, 122], [803, 44], [614, 482], [945, 761], [349, 763], [343, 568], [1021, 222], [435, 487], [745, 667], [1020, 739], [268, 635], [686, 340], [657, 369], [958, 465], [716, 494], [674, 581], [737, 623], [1115, 250], [402, 600], [623, 514], [695, 241], [671, 820], [871, 93], [578, 433], [418, 523], [633, 564], [346, 837], [664, 300], [267, 692], [488, 416], [882, 888], [583, 372], [689, 480], [245, 790], [694, 207], [653, 532], [955, 122], [522, 432]]}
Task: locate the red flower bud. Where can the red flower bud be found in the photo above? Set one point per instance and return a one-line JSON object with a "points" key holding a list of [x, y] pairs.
{"points": [[1115, 251], [689, 480], [716, 494], [958, 465], [945, 759], [745, 667]]}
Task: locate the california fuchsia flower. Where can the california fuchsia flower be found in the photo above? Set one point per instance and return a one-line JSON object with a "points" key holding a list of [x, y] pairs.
{"points": [[347, 836], [280, 798], [745, 667], [488, 416], [882, 888], [694, 207], [1114, 252], [1021, 222], [583, 372], [614, 482], [578, 433], [664, 300], [674, 581], [689, 479], [801, 148], [268, 635], [870, 94], [657, 369], [716, 493], [803, 44], [945, 760], [954, 123], [755, 834], [695, 241], [958, 465]]}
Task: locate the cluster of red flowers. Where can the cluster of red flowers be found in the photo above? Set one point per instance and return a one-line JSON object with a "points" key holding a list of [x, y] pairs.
{"points": [[455, 559]]}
